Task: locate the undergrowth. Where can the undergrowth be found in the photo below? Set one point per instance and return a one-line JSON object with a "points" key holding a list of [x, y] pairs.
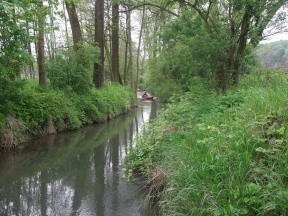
{"points": [[35, 107], [222, 154]]}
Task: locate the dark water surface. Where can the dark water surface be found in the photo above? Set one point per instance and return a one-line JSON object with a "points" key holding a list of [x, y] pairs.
{"points": [[76, 173]]}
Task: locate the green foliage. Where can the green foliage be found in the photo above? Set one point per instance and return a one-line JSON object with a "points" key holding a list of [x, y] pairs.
{"points": [[190, 52], [36, 107], [13, 39], [223, 154], [162, 84], [73, 70]]}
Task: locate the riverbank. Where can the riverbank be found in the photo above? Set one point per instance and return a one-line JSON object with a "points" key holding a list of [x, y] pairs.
{"points": [[220, 155], [33, 112]]}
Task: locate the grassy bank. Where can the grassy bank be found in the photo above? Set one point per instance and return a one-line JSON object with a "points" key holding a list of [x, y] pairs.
{"points": [[27, 111], [221, 155]]}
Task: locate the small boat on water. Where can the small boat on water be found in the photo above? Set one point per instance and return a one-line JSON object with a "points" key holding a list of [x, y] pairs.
{"points": [[147, 97]]}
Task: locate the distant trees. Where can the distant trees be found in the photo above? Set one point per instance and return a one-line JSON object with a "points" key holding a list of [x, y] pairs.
{"points": [[273, 55]]}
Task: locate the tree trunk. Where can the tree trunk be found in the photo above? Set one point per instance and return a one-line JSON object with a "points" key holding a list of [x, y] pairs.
{"points": [[52, 33], [41, 51], [66, 26], [29, 49], [74, 22], [130, 61], [115, 43], [98, 76], [126, 53], [139, 47], [242, 43], [15, 37]]}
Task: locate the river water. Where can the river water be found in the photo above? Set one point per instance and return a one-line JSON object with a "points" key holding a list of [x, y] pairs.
{"points": [[76, 173]]}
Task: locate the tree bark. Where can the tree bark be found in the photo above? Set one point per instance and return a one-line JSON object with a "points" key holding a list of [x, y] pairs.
{"points": [[74, 22], [139, 47], [128, 50], [98, 75], [130, 61], [41, 51], [115, 43], [29, 49], [66, 26]]}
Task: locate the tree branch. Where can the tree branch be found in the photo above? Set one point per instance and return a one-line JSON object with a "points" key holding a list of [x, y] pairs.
{"points": [[133, 7]]}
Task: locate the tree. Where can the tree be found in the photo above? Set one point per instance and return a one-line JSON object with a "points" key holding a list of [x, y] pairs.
{"points": [[115, 43], [40, 44], [217, 36], [74, 22], [128, 61], [242, 23], [98, 75], [13, 38]]}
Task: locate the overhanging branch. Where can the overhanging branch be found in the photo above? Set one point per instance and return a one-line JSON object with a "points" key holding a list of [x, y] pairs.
{"points": [[133, 7]]}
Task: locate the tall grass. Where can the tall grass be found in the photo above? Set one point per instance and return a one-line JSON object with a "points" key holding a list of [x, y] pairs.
{"points": [[223, 155]]}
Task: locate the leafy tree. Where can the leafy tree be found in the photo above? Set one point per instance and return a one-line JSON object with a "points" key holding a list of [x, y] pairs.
{"points": [[217, 37], [13, 38]]}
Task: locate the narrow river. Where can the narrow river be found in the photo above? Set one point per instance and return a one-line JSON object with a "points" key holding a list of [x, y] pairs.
{"points": [[76, 173]]}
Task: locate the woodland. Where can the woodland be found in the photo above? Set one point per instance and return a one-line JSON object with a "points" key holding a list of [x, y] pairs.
{"points": [[220, 146], [273, 55]]}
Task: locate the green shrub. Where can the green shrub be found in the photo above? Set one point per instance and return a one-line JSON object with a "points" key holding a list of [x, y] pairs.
{"points": [[73, 69]]}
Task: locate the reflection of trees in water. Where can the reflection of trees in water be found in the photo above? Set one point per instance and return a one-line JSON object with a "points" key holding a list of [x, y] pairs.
{"points": [[115, 141], [43, 192], [82, 167], [56, 174], [99, 186], [154, 109]]}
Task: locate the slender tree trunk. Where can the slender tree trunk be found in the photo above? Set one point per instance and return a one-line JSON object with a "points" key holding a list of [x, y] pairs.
{"points": [[242, 43], [130, 61], [108, 57], [48, 43], [139, 48], [115, 43], [43, 192], [98, 76], [41, 51], [29, 49], [66, 26], [127, 34], [52, 33], [108, 39], [74, 22], [17, 68], [155, 38], [125, 56]]}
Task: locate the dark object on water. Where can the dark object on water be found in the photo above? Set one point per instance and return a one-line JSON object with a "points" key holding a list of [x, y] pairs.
{"points": [[145, 96]]}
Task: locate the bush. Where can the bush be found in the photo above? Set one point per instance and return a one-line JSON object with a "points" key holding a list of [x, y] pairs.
{"points": [[73, 69]]}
